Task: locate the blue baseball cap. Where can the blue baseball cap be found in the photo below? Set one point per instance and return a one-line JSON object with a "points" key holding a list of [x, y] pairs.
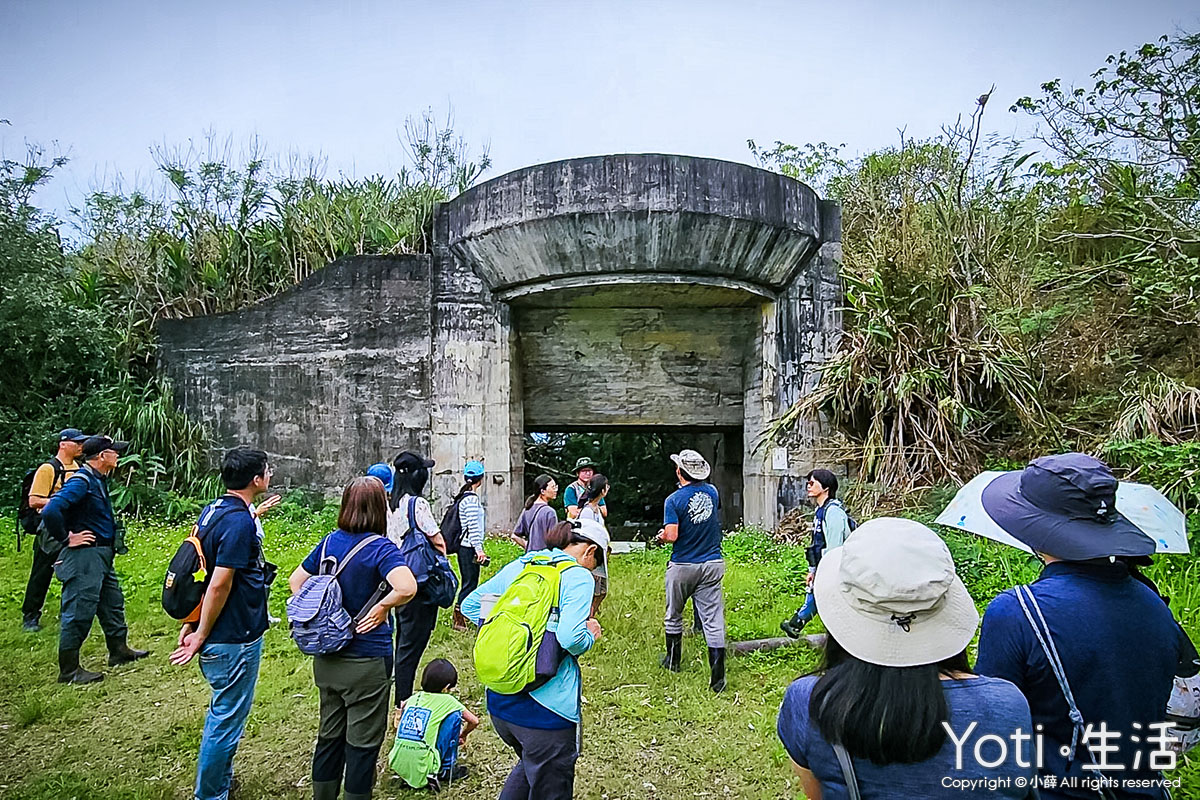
{"points": [[383, 472], [474, 469], [72, 435]]}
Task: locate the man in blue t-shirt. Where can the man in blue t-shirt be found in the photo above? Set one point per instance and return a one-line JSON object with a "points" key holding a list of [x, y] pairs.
{"points": [[692, 524], [233, 617]]}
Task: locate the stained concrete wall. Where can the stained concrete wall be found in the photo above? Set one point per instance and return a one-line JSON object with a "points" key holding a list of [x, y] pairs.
{"points": [[633, 366], [708, 291], [327, 378]]}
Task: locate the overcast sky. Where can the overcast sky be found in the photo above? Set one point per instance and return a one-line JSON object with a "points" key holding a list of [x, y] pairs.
{"points": [[108, 81]]}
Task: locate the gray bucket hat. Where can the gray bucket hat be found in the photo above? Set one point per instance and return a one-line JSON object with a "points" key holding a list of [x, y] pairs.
{"points": [[1065, 506], [693, 464]]}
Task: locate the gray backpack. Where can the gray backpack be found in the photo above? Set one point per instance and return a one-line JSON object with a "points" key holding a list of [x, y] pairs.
{"points": [[320, 624]]}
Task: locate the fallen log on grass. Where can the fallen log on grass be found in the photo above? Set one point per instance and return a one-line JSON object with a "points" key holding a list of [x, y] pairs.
{"points": [[815, 640]]}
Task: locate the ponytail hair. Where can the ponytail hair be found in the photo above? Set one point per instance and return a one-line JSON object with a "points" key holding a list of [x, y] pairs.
{"points": [[559, 536], [539, 485], [595, 488]]}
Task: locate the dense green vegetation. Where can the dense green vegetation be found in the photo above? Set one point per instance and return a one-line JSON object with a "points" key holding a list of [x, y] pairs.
{"points": [[78, 304]]}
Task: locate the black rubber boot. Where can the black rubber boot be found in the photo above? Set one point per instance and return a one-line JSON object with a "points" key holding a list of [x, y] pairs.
{"points": [[327, 790], [69, 670], [119, 652], [674, 652], [716, 663], [793, 627]]}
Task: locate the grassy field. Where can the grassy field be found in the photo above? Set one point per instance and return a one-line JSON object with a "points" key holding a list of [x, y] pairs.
{"points": [[647, 733]]}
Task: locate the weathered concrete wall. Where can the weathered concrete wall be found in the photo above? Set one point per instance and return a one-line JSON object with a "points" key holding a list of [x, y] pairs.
{"points": [[645, 214], [617, 290], [328, 377], [633, 366]]}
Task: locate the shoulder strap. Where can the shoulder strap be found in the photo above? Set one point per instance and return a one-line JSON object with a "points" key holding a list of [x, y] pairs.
{"points": [[412, 512], [60, 472], [847, 765], [1041, 631], [353, 552]]}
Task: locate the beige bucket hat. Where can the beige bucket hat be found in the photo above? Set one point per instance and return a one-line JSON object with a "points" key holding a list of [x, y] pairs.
{"points": [[890, 595]]}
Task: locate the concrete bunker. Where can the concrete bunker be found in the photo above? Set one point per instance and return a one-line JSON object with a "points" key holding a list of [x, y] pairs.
{"points": [[631, 291]]}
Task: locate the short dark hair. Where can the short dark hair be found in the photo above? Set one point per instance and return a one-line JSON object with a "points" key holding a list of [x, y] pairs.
{"points": [[364, 507], [439, 675], [241, 466], [891, 715], [827, 479]]}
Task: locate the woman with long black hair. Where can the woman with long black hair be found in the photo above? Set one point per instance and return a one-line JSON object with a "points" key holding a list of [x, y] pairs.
{"points": [[538, 517], [895, 710], [589, 508], [411, 516]]}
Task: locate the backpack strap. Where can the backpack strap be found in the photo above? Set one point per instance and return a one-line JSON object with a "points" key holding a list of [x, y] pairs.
{"points": [[353, 552], [60, 472], [847, 765], [412, 513]]}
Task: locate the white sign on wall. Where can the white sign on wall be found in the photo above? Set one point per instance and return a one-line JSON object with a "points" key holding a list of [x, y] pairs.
{"points": [[779, 458]]}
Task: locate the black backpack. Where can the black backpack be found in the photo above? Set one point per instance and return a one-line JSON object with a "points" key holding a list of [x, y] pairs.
{"points": [[451, 528], [29, 518], [188, 574]]}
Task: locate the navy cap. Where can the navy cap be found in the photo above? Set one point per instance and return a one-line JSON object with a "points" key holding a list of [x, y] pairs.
{"points": [[72, 435], [95, 445]]}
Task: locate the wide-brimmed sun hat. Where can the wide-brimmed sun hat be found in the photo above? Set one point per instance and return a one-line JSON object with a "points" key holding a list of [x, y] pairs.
{"points": [[585, 463], [890, 595], [692, 463], [1065, 506]]}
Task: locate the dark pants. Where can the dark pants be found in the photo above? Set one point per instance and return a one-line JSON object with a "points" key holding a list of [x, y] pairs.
{"points": [[546, 769], [468, 570], [354, 720], [415, 622], [90, 590], [40, 573]]}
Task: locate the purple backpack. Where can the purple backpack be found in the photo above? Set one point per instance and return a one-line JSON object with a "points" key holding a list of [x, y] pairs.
{"points": [[320, 624]]}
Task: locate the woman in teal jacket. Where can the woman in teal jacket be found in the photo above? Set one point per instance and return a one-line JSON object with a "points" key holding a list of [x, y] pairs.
{"points": [[541, 724]]}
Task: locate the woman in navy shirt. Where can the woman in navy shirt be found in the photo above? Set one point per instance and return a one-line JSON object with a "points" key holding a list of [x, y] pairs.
{"points": [[895, 710], [355, 682]]}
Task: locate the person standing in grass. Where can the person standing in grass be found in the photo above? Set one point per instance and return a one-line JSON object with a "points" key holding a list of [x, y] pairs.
{"points": [[233, 618], [1111, 644], [585, 470], [538, 517], [47, 480], [697, 568], [473, 521], [831, 526], [411, 515], [80, 518], [541, 724], [355, 682], [591, 508], [895, 673]]}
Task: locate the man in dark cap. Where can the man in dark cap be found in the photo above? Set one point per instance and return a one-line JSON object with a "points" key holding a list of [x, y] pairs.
{"points": [[80, 517], [47, 480], [1087, 643]]}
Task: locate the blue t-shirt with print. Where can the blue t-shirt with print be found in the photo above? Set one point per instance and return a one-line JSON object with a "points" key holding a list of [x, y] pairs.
{"points": [[694, 509], [231, 541], [994, 706], [359, 580]]}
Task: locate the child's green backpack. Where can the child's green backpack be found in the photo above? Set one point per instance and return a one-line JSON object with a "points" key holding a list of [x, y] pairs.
{"points": [[510, 656]]}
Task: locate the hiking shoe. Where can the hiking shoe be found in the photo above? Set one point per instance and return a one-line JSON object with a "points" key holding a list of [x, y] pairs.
{"points": [[456, 773], [32, 623]]}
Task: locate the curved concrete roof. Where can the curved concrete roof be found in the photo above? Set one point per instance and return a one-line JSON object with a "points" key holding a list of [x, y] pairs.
{"points": [[625, 218]]}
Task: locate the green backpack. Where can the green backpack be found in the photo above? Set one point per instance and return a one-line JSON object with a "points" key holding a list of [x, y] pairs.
{"points": [[509, 653]]}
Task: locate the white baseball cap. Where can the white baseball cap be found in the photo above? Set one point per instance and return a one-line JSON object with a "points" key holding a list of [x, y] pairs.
{"points": [[597, 534]]}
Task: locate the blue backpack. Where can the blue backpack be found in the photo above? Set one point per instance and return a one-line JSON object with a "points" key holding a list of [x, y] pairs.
{"points": [[436, 582], [320, 624]]}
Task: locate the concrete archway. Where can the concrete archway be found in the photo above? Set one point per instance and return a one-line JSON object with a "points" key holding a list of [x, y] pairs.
{"points": [[681, 291]]}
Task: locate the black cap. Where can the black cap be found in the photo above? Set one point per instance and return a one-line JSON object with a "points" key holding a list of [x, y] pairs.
{"points": [[72, 435], [95, 445], [410, 460]]}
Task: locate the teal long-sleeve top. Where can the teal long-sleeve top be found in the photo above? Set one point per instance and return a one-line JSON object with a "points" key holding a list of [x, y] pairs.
{"points": [[561, 693]]}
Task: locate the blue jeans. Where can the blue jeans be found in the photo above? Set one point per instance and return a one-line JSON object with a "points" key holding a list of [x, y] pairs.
{"points": [[447, 742], [809, 609], [232, 672]]}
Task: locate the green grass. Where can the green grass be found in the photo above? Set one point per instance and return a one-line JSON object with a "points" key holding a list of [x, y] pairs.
{"points": [[647, 733]]}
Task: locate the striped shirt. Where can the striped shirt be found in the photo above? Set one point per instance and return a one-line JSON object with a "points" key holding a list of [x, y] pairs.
{"points": [[471, 517]]}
